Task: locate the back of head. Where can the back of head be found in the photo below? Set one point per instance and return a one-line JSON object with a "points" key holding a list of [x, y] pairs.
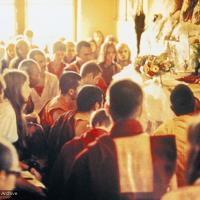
{"points": [[90, 67], [33, 52], [82, 44], [87, 97], [59, 46], [68, 80], [182, 100], [8, 156], [100, 118], [125, 98]]}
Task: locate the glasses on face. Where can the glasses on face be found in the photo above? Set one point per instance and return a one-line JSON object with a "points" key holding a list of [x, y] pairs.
{"points": [[13, 172]]}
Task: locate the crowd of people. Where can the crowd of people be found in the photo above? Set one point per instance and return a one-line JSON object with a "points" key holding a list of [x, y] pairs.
{"points": [[83, 134]]}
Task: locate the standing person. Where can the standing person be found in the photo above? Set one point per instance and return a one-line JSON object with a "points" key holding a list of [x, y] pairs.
{"points": [[99, 39], [47, 85], [107, 62], [17, 92], [123, 55], [115, 166], [139, 23], [56, 66], [84, 54]]}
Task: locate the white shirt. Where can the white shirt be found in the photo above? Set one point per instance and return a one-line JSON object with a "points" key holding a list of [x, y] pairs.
{"points": [[51, 89], [8, 122]]}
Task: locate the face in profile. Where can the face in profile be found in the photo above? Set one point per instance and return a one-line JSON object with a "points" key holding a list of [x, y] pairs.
{"points": [[11, 51]]}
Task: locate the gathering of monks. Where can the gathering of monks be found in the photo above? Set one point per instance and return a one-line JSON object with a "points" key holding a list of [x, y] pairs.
{"points": [[108, 109]]}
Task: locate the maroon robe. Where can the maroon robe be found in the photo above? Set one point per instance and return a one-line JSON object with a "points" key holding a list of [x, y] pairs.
{"points": [[63, 165], [98, 173]]}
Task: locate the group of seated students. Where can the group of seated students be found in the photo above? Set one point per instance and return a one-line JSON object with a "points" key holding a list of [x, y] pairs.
{"points": [[80, 133]]}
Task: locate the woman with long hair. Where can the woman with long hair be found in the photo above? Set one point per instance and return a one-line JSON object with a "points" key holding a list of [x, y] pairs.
{"points": [[107, 62], [17, 92]]}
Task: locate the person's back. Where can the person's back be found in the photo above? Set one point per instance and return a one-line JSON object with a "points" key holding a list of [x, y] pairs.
{"points": [[100, 123], [115, 166], [183, 105], [73, 123]]}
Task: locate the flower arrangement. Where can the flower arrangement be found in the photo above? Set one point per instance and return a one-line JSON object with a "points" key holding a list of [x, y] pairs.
{"points": [[153, 65]]}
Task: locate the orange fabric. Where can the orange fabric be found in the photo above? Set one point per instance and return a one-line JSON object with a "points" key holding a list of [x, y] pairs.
{"points": [[57, 104]]}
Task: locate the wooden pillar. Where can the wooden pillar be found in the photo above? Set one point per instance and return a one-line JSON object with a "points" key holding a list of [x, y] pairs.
{"points": [[20, 16], [75, 18]]}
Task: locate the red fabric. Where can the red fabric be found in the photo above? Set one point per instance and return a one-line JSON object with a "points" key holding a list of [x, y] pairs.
{"points": [[190, 78], [126, 128], [39, 89], [64, 163], [102, 85], [55, 69]]}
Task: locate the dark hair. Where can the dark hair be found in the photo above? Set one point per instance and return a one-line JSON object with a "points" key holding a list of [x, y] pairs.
{"points": [[182, 100], [100, 117], [87, 97], [193, 162], [14, 80], [90, 67], [125, 97], [82, 44], [5, 158], [59, 46], [68, 80]]}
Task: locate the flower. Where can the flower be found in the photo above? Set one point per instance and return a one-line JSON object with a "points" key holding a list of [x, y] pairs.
{"points": [[153, 65]]}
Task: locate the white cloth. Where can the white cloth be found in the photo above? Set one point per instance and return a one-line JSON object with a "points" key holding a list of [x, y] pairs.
{"points": [[51, 89], [8, 122]]}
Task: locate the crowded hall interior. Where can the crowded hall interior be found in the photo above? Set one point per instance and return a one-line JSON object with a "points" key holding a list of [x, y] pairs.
{"points": [[100, 99]]}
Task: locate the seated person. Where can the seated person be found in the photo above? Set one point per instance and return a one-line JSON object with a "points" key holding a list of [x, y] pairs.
{"points": [[9, 168], [100, 123], [62, 103], [56, 66], [91, 73], [84, 54], [44, 85], [191, 191], [183, 105], [74, 123], [113, 166]]}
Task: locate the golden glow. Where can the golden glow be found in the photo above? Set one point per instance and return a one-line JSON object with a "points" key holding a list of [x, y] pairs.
{"points": [[50, 20], [7, 19]]}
